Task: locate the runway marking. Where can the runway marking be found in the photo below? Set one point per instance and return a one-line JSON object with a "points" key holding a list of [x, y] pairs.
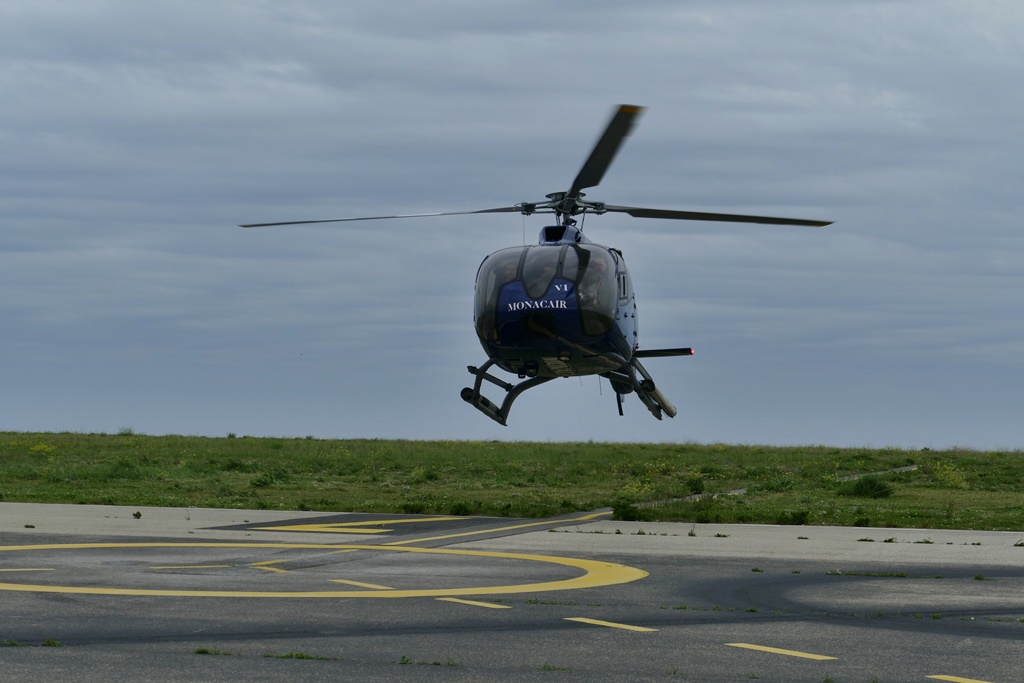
{"points": [[265, 566], [956, 679], [256, 565], [476, 603], [28, 569], [360, 584], [355, 527], [595, 573], [478, 532], [610, 624], [780, 651]]}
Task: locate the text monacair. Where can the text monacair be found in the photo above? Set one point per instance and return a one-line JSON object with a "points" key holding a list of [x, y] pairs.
{"points": [[524, 305]]}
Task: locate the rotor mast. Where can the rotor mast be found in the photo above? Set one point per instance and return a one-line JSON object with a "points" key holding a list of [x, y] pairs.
{"points": [[565, 205]]}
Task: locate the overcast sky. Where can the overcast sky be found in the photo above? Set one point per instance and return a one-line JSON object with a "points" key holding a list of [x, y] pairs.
{"points": [[137, 135]]}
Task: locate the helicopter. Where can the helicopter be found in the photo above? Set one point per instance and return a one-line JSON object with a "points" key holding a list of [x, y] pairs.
{"points": [[565, 307]]}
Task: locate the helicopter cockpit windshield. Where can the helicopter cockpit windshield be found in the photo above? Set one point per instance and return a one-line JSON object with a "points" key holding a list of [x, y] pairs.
{"points": [[539, 269], [597, 287], [586, 271]]}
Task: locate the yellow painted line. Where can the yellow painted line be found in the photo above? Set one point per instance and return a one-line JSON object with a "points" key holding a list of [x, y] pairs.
{"points": [[595, 573], [355, 527], [360, 584], [956, 679], [610, 624], [331, 529], [197, 566], [324, 529], [780, 651], [476, 603], [27, 569], [478, 532], [265, 565]]}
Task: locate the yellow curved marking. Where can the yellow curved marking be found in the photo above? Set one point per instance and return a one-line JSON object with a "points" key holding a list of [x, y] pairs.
{"points": [[475, 603], [595, 574], [780, 651], [362, 584], [611, 624]]}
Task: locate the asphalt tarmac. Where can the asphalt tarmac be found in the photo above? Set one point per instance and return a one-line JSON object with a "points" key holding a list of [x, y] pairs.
{"points": [[95, 593]]}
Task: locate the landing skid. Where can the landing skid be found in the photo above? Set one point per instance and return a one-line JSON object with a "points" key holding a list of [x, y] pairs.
{"points": [[645, 388], [500, 415], [631, 375]]}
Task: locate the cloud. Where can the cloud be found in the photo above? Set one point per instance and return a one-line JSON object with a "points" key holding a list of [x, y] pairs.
{"points": [[137, 137]]}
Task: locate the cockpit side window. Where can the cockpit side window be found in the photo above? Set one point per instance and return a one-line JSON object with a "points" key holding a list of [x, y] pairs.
{"points": [[496, 271], [500, 268]]}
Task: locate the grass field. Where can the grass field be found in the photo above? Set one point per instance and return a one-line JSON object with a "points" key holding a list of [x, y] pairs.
{"points": [[959, 489]]}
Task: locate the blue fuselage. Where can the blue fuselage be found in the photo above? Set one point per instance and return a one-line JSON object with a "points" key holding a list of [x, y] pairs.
{"points": [[556, 309]]}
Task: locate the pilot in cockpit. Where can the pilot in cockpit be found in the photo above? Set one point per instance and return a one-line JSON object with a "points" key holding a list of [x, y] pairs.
{"points": [[593, 279]]}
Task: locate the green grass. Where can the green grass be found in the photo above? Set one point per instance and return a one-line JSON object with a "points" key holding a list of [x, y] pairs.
{"points": [[794, 485], [297, 655]]}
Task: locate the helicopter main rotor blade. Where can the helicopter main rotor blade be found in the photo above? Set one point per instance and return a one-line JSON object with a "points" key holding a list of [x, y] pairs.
{"points": [[606, 148], [637, 212], [503, 209]]}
